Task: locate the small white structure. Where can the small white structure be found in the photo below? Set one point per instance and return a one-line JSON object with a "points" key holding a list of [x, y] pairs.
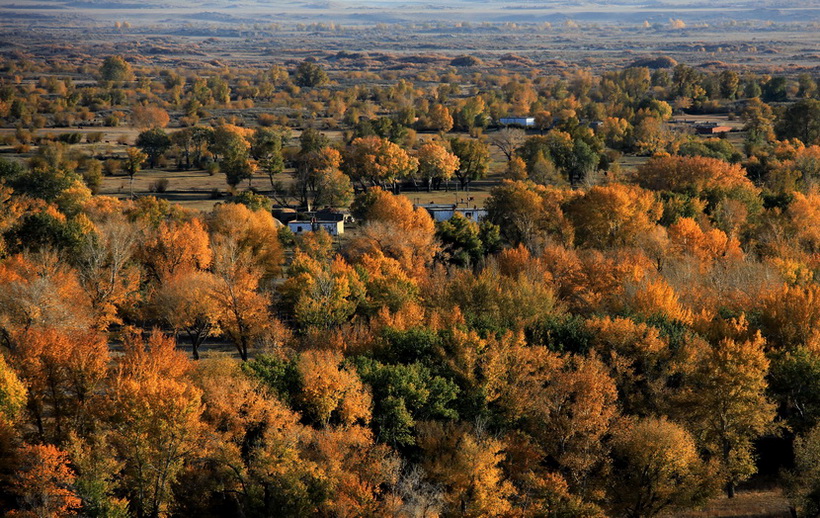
{"points": [[474, 214], [445, 211], [334, 228], [525, 122]]}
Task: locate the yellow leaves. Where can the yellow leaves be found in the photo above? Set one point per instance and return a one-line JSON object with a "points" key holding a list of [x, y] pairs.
{"points": [[804, 220], [565, 403], [378, 160], [468, 465], [176, 247], [679, 174], [613, 215], [254, 231], [387, 284], [658, 468], [12, 393], [656, 297], [356, 470], [328, 389], [322, 295], [435, 162], [791, 316]]}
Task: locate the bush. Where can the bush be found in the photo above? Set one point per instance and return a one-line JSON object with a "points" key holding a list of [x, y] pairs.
{"points": [[94, 137], [111, 167], [159, 186], [71, 138]]}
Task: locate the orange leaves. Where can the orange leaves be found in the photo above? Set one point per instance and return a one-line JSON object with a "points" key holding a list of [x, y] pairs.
{"points": [[62, 371], [613, 215], [681, 174], [328, 389], [791, 317], [154, 413], [528, 213], [254, 231], [396, 229], [39, 290], [804, 221], [157, 356], [176, 247], [377, 160], [653, 297], [687, 237], [567, 404], [44, 483], [468, 465]]}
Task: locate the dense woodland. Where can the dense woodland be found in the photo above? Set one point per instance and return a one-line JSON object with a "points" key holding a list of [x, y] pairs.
{"points": [[610, 341]]}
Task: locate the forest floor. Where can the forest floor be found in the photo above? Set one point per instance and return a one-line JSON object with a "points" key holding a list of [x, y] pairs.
{"points": [[747, 504]]}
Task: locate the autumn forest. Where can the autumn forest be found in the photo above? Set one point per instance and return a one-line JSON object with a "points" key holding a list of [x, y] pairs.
{"points": [[626, 324]]}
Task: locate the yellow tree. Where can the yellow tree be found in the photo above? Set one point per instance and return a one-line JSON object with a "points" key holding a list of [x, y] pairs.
{"points": [[613, 215], [436, 164], [440, 118], [725, 405], [186, 303], [377, 161], [243, 313], [320, 294], [254, 231], [106, 270], [176, 247], [656, 469], [329, 389], [639, 361], [394, 227], [154, 413], [566, 404], [467, 464]]}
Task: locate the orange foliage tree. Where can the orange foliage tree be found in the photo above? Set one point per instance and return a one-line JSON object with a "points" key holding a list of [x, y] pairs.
{"points": [[154, 413], [43, 484]]}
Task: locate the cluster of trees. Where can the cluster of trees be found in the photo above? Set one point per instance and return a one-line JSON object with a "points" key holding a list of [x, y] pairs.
{"points": [[629, 109], [617, 350], [600, 345]]}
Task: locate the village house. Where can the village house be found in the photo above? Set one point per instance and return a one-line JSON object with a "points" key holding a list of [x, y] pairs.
{"points": [[334, 228], [445, 211]]}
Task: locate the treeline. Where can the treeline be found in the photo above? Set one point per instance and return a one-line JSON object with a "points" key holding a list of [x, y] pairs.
{"points": [[585, 123]]}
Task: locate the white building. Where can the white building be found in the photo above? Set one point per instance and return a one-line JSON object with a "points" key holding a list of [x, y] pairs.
{"points": [[526, 122], [445, 211], [334, 228]]}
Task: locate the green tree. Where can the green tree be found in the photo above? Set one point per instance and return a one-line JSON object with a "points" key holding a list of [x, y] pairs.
{"points": [[115, 68], [404, 395], [310, 74], [154, 142], [134, 158], [473, 159], [726, 406], [801, 120]]}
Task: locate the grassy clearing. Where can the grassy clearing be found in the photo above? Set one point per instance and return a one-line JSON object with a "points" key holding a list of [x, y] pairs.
{"points": [[747, 504]]}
